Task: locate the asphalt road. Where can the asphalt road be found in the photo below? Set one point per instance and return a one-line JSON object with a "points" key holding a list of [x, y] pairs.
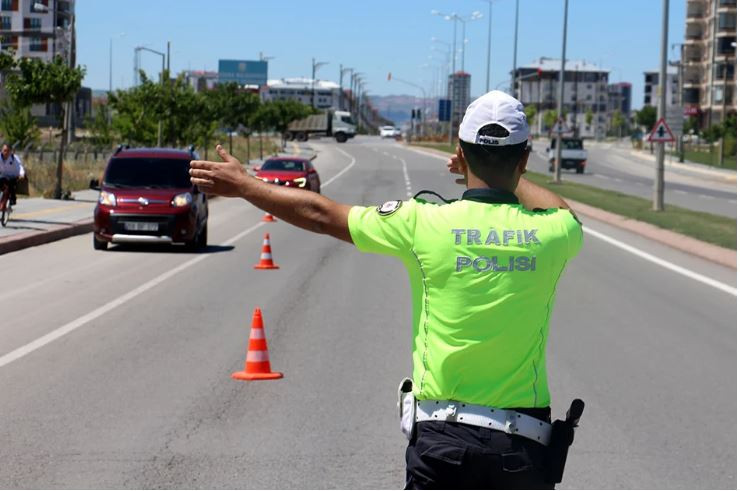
{"points": [[615, 168], [115, 365]]}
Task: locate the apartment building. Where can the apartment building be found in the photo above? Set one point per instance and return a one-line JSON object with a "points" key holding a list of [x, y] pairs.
{"points": [[43, 29], [652, 84], [37, 28], [585, 98], [709, 60], [619, 98]]}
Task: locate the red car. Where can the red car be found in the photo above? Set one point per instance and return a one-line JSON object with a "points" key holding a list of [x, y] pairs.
{"points": [[146, 197], [290, 171]]}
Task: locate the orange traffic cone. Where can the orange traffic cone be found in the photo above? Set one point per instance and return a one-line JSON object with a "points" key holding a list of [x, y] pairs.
{"points": [[268, 218], [257, 366], [266, 256]]}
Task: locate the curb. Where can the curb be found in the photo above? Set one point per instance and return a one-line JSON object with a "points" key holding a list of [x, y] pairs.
{"points": [[31, 239], [684, 243], [725, 176]]}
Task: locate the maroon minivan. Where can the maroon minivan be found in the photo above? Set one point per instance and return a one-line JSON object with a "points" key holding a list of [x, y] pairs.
{"points": [[146, 197]]}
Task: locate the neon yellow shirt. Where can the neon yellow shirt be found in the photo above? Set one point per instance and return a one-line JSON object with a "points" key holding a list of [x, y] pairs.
{"points": [[483, 273]]}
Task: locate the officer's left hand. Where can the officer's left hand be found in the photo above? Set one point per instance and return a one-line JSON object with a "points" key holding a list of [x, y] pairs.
{"points": [[222, 178], [455, 167]]}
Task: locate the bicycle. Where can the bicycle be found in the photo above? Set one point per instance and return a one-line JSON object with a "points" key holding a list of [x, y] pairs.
{"points": [[5, 207]]}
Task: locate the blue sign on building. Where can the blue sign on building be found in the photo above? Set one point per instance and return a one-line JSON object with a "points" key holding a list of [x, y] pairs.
{"points": [[445, 109], [243, 72]]}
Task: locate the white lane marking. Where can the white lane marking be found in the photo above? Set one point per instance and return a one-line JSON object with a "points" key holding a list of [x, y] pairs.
{"points": [[679, 191], [662, 262], [601, 176], [704, 196], [406, 177], [733, 201], [117, 302]]}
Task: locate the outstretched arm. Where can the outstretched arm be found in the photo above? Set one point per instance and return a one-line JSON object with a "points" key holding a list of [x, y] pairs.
{"points": [[307, 210]]}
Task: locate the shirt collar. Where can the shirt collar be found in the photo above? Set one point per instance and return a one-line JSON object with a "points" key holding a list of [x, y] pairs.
{"points": [[491, 195]]}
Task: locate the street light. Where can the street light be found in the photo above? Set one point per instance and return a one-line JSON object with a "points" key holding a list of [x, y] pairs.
{"points": [[423, 92], [315, 65], [137, 51], [488, 63], [110, 60], [342, 71]]}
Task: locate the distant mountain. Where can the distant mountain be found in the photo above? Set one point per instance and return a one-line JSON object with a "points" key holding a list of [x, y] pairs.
{"points": [[398, 108]]}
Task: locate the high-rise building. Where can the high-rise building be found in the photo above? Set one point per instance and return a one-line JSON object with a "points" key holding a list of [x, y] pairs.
{"points": [[710, 60], [458, 91], [585, 94], [201, 80]]}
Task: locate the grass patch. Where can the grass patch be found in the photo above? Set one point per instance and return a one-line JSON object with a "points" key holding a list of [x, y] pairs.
{"points": [[703, 226], [716, 229], [445, 147], [710, 158]]}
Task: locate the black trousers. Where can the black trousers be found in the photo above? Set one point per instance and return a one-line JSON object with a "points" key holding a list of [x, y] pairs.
{"points": [[12, 182], [446, 455]]}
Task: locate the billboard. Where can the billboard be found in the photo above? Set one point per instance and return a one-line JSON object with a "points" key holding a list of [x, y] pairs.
{"points": [[243, 72], [445, 109]]}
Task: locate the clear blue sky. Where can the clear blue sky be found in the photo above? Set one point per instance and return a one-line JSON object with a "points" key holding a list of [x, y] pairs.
{"points": [[372, 36]]}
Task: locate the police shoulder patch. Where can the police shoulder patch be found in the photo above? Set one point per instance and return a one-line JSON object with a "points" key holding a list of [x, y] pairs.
{"points": [[389, 207]]}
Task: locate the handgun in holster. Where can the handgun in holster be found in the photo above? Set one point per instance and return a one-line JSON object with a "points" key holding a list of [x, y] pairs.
{"points": [[561, 438]]}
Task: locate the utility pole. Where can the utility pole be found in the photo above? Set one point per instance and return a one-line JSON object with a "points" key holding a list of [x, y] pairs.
{"points": [[659, 169], [724, 113], [680, 64], [488, 63], [313, 77], [561, 82], [516, 37]]}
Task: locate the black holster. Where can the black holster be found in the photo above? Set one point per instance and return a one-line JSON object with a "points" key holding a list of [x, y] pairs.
{"points": [[561, 438]]}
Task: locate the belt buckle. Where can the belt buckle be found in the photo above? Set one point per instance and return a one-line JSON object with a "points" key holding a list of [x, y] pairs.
{"points": [[450, 412]]}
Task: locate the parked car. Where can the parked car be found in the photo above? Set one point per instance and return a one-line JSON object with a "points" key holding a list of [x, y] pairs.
{"points": [[573, 155], [146, 197], [290, 171]]}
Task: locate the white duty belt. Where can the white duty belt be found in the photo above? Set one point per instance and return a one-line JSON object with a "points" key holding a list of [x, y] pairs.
{"points": [[506, 420]]}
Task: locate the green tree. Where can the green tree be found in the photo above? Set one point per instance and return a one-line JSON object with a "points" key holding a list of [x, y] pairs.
{"points": [[137, 111], [589, 116], [100, 125], [550, 117], [647, 116], [38, 82], [17, 125], [234, 107], [530, 111], [617, 123]]}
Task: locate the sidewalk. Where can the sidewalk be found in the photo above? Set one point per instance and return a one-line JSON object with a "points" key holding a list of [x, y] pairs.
{"points": [[671, 161], [37, 221]]}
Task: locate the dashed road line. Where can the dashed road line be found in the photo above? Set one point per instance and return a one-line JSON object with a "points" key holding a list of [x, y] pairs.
{"points": [[117, 302]]}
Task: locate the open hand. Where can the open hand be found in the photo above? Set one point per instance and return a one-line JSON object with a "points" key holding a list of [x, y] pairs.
{"points": [[455, 165], [221, 178]]}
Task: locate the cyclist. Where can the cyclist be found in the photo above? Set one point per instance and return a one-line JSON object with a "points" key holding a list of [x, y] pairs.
{"points": [[11, 169]]}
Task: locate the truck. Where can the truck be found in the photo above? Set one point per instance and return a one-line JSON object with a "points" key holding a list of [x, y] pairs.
{"points": [[573, 155], [337, 124]]}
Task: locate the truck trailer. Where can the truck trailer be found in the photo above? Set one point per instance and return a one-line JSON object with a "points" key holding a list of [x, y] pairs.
{"points": [[337, 124]]}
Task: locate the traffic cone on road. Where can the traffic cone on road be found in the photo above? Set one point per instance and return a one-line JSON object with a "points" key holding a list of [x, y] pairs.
{"points": [[268, 218], [257, 366], [266, 256]]}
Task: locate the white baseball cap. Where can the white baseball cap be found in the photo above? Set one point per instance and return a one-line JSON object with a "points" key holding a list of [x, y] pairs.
{"points": [[499, 108]]}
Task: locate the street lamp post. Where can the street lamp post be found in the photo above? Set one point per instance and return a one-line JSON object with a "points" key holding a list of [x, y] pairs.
{"points": [[488, 62], [342, 70], [138, 49], [561, 83], [315, 65], [423, 93], [516, 38]]}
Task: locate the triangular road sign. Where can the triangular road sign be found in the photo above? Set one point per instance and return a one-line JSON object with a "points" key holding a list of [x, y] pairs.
{"points": [[661, 132]]}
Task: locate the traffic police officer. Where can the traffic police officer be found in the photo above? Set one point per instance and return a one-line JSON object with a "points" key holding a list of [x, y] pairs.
{"points": [[483, 274]]}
